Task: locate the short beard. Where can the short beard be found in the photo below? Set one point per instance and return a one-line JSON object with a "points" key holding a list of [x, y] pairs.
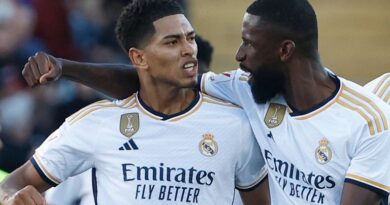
{"points": [[266, 84]]}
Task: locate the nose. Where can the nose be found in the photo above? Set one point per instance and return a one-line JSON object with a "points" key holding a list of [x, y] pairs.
{"points": [[240, 55], [189, 49]]}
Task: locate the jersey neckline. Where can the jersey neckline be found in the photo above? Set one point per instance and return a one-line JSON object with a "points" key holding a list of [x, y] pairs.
{"points": [[161, 116], [298, 113]]}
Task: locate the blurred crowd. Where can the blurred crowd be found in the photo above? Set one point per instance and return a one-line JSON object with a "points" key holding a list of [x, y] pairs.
{"points": [[72, 29]]}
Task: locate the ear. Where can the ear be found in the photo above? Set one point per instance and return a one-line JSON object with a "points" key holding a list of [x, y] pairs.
{"points": [[138, 58], [286, 50]]}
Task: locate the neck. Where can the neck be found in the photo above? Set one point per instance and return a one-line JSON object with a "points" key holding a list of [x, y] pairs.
{"points": [[166, 99], [307, 84]]}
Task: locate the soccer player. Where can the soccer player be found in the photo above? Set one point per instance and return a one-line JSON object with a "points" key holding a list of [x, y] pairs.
{"points": [[381, 87], [65, 193], [166, 144], [325, 139]]}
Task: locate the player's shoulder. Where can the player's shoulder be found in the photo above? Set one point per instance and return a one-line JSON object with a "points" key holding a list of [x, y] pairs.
{"points": [[380, 87], [357, 101], [101, 110], [228, 75], [237, 75], [354, 90], [222, 109], [378, 83], [222, 104]]}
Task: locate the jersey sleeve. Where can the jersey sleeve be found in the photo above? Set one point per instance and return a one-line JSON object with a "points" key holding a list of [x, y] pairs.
{"points": [[380, 87], [250, 168], [66, 152], [225, 86], [370, 167]]}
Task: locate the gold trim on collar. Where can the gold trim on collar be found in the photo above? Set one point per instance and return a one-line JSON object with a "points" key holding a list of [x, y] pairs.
{"points": [[324, 107]]}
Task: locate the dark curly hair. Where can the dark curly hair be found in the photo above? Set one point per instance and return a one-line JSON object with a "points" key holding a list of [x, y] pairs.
{"points": [[135, 24]]}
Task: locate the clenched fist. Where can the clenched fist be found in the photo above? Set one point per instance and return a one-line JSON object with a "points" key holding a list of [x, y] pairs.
{"points": [[26, 196], [41, 68]]}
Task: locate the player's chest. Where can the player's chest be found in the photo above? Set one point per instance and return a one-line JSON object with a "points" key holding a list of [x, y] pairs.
{"points": [[319, 145], [132, 137]]}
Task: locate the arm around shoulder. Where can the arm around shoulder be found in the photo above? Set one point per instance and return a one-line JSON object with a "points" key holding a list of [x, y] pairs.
{"points": [[116, 80]]}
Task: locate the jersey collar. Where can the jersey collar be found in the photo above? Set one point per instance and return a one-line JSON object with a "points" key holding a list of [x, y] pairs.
{"points": [[161, 116], [320, 106]]}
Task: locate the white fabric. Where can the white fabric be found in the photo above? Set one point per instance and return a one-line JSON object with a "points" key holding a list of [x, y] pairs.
{"points": [[164, 164], [76, 189], [353, 125], [380, 87]]}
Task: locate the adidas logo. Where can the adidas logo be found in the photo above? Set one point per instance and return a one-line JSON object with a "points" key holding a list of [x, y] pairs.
{"points": [[269, 135], [130, 145]]}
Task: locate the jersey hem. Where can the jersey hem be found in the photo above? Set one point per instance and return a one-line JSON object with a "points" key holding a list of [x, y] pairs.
{"points": [[42, 173], [254, 185]]}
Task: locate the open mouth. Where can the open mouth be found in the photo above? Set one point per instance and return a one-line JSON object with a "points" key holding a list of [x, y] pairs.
{"points": [[189, 66]]}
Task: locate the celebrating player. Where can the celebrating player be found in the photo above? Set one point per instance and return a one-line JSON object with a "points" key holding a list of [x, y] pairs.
{"points": [[166, 144], [324, 138]]}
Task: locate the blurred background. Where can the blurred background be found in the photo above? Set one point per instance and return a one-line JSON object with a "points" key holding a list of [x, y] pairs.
{"points": [[353, 36]]}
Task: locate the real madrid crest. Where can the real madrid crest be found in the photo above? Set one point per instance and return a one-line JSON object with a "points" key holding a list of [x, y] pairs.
{"points": [[323, 152], [129, 124], [275, 115], [208, 146]]}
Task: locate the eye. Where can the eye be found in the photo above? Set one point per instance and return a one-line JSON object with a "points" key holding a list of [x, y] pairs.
{"points": [[191, 38], [245, 43], [172, 43]]}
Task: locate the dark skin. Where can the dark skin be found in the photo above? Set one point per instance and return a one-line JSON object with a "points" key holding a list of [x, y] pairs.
{"points": [[24, 185], [115, 80], [116, 76], [43, 68], [306, 82], [305, 76], [259, 194]]}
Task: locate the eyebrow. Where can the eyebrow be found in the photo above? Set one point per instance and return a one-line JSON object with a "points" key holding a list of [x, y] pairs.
{"points": [[179, 35]]}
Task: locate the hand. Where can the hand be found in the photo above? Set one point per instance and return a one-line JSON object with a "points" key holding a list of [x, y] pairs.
{"points": [[41, 68], [26, 196]]}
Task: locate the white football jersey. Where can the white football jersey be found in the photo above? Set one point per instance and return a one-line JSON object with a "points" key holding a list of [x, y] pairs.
{"points": [[74, 190], [139, 156], [381, 87], [311, 154]]}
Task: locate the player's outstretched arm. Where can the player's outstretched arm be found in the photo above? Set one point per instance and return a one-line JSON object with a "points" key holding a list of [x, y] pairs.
{"points": [[115, 80], [257, 196], [356, 195], [23, 186]]}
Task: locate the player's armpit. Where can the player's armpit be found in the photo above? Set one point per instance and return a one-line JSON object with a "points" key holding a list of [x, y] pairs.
{"points": [[23, 185], [357, 195], [258, 195]]}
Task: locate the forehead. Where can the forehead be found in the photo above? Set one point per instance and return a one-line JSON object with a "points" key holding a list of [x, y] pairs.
{"points": [[251, 21], [254, 27], [173, 24]]}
